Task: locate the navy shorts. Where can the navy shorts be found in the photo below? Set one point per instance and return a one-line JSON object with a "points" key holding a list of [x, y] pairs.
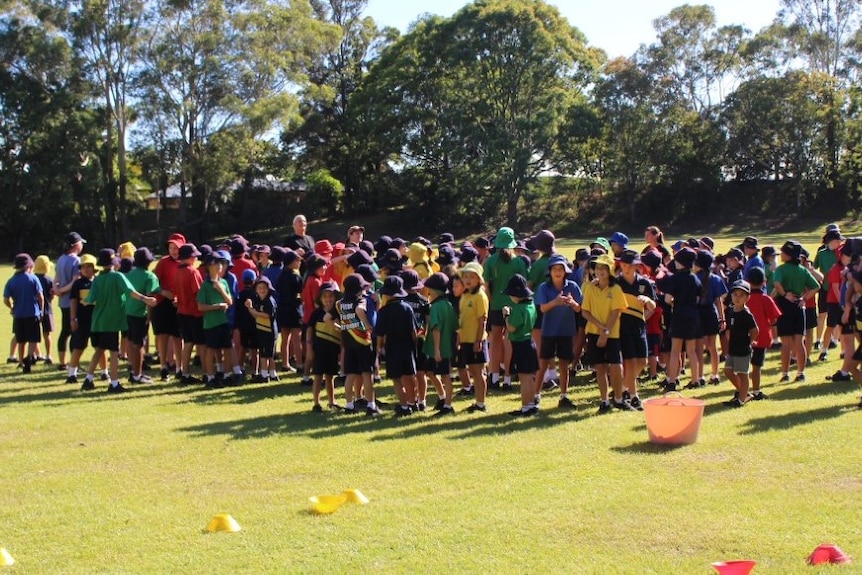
{"points": [[834, 311], [358, 359], [495, 318], [810, 318], [467, 355], [421, 358], [165, 319], [792, 320], [822, 304], [138, 328], [326, 357], [399, 366], [80, 338], [634, 345], [709, 324], [219, 337], [289, 318], [107, 340], [685, 327], [442, 367], [265, 344], [47, 323], [557, 346], [758, 356], [191, 328], [524, 357], [610, 354], [27, 329], [653, 344]]}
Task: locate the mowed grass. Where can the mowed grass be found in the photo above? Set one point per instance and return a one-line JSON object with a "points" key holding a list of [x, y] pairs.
{"points": [[93, 483]]}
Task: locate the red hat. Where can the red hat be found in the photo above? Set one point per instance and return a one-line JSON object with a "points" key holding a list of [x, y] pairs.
{"points": [[323, 248], [177, 239]]}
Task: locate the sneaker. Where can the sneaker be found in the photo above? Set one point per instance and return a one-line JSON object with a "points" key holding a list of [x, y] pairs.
{"points": [[735, 402], [466, 392], [88, 385], [372, 412], [758, 396], [143, 378], [72, 379], [445, 411], [692, 385], [668, 386], [635, 402], [306, 381], [838, 376], [817, 344], [439, 405], [604, 408], [361, 403], [420, 406], [214, 383], [48, 361], [11, 360], [350, 410], [624, 406], [62, 367], [474, 408], [714, 380], [506, 387], [26, 368], [833, 344], [565, 403], [104, 377], [377, 380], [287, 368], [403, 411], [273, 377], [550, 385], [116, 389], [259, 378], [800, 377], [532, 410], [164, 374], [784, 378]]}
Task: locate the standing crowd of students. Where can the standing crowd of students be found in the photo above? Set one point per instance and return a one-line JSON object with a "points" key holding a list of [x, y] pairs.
{"points": [[485, 313]]}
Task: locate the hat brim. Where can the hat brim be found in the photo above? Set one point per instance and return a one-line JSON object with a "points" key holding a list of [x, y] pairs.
{"points": [[399, 293], [519, 293]]}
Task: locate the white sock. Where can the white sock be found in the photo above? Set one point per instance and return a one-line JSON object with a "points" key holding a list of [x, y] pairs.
{"points": [[348, 405], [115, 383], [507, 380], [553, 372], [104, 372], [495, 377], [237, 370], [73, 371], [219, 367], [372, 405], [272, 373]]}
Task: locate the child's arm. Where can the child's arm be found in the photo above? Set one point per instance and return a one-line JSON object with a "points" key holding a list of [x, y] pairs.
{"points": [[149, 301], [592, 319], [309, 341], [480, 334], [753, 333], [221, 306], [258, 314], [435, 333], [73, 313], [223, 292], [8, 301]]}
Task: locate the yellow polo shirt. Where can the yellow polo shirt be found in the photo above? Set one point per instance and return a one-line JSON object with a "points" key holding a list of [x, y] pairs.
{"points": [[600, 303]]}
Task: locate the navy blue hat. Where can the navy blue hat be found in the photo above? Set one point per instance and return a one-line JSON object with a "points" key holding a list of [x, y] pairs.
{"points": [[382, 244], [445, 238], [652, 259], [359, 258], [23, 261], [277, 254], [289, 257], [355, 283], [367, 247], [544, 241], [559, 260], [630, 257], [314, 262], [126, 265], [735, 253], [248, 277], [582, 255], [107, 257], [685, 257], [237, 246], [410, 279], [482, 243], [186, 251], [205, 252], [468, 254], [437, 281], [143, 258], [393, 286], [447, 255], [397, 243], [367, 272], [704, 259], [517, 287], [392, 260]]}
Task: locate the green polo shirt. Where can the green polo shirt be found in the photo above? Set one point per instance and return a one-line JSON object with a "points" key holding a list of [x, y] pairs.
{"points": [[794, 278], [208, 295], [145, 282], [522, 318], [108, 294]]}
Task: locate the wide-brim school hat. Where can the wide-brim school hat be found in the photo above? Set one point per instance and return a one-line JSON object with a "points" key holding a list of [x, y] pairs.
{"points": [[393, 286], [603, 260], [188, 251], [704, 260], [107, 257], [832, 235], [751, 243], [437, 281], [630, 257], [143, 257], [446, 255], [652, 259], [545, 241], [621, 239], [685, 257], [474, 268], [468, 254], [177, 240], [248, 277], [367, 272], [330, 286], [505, 239], [792, 249], [517, 287], [263, 280], [355, 283], [410, 278], [88, 260], [602, 243], [559, 260], [359, 258], [42, 265]]}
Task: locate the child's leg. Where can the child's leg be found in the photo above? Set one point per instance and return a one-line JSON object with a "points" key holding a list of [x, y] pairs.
{"points": [[98, 357], [315, 388], [13, 348], [540, 376], [733, 378], [408, 384], [368, 387], [697, 367], [330, 389], [284, 347], [742, 378], [786, 350], [114, 366], [438, 386], [421, 387], [348, 387], [495, 341], [564, 376], [632, 368], [673, 366], [46, 337], [294, 350], [615, 374], [447, 389], [799, 350], [602, 380], [694, 359], [479, 384], [529, 386], [209, 361], [713, 354]]}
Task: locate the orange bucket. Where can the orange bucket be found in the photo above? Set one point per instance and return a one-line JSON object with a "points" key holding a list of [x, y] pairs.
{"points": [[673, 419], [743, 567]]}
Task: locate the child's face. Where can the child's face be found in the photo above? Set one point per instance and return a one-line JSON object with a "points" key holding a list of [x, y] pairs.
{"points": [[558, 273], [215, 269], [603, 273], [470, 280], [320, 271], [327, 298], [628, 269], [263, 258], [88, 270], [294, 265], [457, 287], [739, 297], [261, 290], [732, 263]]}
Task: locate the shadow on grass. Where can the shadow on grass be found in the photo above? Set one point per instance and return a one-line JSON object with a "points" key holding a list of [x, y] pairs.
{"points": [[646, 447], [788, 421], [806, 390]]}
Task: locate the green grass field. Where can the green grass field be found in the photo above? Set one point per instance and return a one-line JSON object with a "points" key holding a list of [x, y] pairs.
{"points": [[93, 483]]}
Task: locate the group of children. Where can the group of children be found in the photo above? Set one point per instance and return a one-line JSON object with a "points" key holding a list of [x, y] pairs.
{"points": [[488, 311]]}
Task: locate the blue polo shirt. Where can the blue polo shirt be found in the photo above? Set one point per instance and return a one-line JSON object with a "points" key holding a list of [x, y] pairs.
{"points": [[754, 261], [66, 270], [24, 289], [560, 321]]}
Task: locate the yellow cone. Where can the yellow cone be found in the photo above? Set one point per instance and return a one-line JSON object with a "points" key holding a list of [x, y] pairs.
{"points": [[355, 496], [5, 558], [326, 504], [223, 522]]}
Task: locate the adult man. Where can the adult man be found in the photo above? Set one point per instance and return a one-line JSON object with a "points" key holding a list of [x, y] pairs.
{"points": [[66, 274], [300, 242]]}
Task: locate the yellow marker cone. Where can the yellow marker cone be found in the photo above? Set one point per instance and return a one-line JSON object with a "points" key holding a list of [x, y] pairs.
{"points": [[223, 522], [326, 504], [355, 496], [5, 558]]}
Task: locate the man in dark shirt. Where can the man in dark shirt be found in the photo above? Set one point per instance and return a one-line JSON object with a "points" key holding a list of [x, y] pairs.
{"points": [[298, 241]]}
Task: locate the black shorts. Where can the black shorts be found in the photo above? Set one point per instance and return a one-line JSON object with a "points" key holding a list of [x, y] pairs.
{"points": [[107, 340], [538, 323], [164, 317], [849, 328], [359, 359], [399, 366], [219, 337], [580, 321], [709, 324], [834, 311], [265, 344], [191, 328], [634, 345], [610, 354], [47, 323], [138, 328], [562, 347], [822, 304], [758, 356], [326, 355], [289, 318], [495, 318], [685, 327], [810, 318], [421, 358], [27, 329], [792, 320], [467, 355], [857, 355], [247, 339], [81, 337], [524, 357], [442, 367], [653, 344]]}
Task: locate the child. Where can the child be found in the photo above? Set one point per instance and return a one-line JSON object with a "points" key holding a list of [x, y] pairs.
{"points": [[712, 321], [80, 314], [42, 268], [356, 341], [743, 331], [396, 336], [315, 268], [143, 281], [603, 303], [245, 329], [835, 308], [421, 308], [544, 243], [323, 343], [652, 268], [439, 340], [520, 318], [418, 255], [289, 290], [187, 283], [765, 313], [793, 284], [108, 295], [65, 274], [472, 317], [683, 289], [214, 300], [559, 300], [854, 286], [640, 304], [23, 295], [263, 308]]}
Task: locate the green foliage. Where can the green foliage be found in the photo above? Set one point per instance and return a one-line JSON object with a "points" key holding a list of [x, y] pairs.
{"points": [[325, 194]]}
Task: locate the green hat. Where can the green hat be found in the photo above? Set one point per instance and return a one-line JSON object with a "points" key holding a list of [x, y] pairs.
{"points": [[505, 239], [602, 242]]}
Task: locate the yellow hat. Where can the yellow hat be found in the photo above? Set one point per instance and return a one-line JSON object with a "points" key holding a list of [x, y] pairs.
{"points": [[475, 268], [88, 259], [43, 265], [417, 253], [126, 250]]}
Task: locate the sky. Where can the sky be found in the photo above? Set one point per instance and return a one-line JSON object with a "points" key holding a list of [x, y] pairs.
{"points": [[619, 27]]}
